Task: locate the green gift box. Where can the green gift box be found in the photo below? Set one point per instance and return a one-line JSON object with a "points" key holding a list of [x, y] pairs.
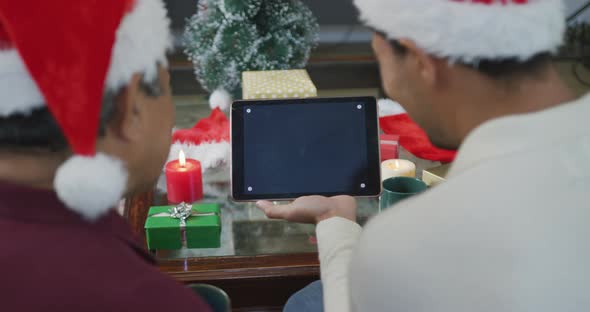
{"points": [[202, 229]]}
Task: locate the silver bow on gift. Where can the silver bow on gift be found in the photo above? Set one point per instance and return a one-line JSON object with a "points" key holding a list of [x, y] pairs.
{"points": [[183, 211]]}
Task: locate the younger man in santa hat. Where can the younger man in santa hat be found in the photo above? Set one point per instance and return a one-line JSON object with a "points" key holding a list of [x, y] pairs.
{"points": [[509, 229], [85, 118]]}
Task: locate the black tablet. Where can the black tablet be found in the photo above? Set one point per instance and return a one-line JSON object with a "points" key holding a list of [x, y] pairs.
{"points": [[287, 148]]}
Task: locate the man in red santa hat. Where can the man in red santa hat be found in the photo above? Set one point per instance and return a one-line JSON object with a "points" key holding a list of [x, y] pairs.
{"points": [[509, 230], [85, 118]]}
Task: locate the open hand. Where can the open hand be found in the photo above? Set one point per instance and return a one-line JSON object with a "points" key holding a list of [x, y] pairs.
{"points": [[311, 209]]}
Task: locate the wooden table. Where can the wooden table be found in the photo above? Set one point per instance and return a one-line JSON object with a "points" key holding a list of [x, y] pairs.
{"points": [[254, 282], [261, 262], [261, 277]]}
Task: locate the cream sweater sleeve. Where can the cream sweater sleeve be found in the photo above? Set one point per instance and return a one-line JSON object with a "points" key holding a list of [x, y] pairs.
{"points": [[337, 238]]}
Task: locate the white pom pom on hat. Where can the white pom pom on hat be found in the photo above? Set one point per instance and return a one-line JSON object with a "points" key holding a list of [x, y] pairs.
{"points": [[132, 37], [91, 185], [470, 30], [220, 98]]}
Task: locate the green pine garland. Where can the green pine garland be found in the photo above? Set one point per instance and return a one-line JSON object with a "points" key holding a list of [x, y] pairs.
{"points": [[226, 37]]}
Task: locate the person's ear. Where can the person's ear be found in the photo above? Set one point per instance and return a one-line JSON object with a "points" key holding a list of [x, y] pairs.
{"points": [[382, 48], [127, 123], [423, 64]]}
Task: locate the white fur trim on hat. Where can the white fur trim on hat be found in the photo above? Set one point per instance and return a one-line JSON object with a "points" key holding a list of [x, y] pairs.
{"points": [[220, 98], [211, 155], [18, 92], [388, 107], [91, 186], [467, 31], [142, 40]]}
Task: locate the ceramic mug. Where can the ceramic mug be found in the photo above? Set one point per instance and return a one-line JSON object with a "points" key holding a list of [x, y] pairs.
{"points": [[399, 188]]}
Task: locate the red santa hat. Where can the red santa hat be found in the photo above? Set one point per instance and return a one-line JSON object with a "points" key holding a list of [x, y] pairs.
{"points": [[470, 30], [65, 54]]}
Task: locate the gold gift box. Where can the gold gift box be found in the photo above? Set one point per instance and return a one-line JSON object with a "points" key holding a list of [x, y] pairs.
{"points": [[436, 175], [277, 84]]}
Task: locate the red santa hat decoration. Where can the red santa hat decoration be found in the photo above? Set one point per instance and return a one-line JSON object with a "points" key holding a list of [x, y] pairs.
{"points": [[65, 54], [470, 30]]}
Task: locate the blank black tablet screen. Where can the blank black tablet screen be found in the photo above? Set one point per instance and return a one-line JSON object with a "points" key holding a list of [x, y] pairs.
{"points": [[293, 149]]}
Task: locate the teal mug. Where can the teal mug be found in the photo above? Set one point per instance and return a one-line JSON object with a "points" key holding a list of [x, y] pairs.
{"points": [[399, 188]]}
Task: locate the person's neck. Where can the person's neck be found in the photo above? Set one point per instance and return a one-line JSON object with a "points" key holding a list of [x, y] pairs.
{"points": [[490, 101], [37, 171]]}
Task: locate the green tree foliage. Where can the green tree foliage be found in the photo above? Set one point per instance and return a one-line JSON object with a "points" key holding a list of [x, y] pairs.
{"points": [[226, 37]]}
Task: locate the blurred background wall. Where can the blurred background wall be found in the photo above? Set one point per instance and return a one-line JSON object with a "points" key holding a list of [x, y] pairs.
{"points": [[338, 18], [344, 58]]}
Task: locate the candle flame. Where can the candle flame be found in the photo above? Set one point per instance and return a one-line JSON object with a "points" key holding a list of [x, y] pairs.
{"points": [[181, 159]]}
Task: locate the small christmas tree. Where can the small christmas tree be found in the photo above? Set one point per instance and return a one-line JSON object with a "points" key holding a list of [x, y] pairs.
{"points": [[226, 37]]}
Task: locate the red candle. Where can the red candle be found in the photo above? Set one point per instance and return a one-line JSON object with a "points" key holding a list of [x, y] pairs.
{"points": [[389, 146], [184, 180]]}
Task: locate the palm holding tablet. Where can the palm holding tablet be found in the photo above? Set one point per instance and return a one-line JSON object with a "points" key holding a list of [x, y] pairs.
{"points": [[311, 209]]}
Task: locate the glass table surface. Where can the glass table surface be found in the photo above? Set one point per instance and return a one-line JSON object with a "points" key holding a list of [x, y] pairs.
{"points": [[245, 229]]}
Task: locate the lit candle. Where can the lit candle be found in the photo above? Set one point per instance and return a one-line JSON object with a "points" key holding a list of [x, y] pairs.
{"points": [[397, 168], [184, 180]]}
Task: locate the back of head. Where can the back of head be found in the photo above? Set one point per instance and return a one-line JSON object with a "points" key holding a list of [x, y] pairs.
{"points": [[470, 31], [461, 53], [59, 75]]}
